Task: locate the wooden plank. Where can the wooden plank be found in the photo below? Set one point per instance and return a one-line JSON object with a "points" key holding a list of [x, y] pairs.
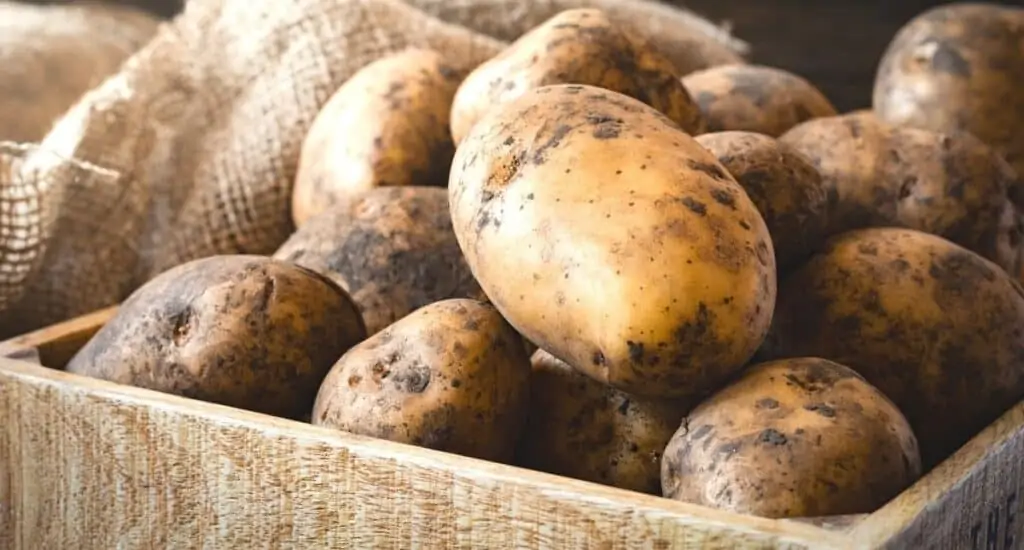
{"points": [[120, 442], [89, 464], [57, 344], [972, 500]]}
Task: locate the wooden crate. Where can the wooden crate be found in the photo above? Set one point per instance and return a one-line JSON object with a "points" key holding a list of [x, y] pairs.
{"points": [[90, 464]]}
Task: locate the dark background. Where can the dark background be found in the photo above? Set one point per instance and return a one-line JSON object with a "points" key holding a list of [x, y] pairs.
{"points": [[834, 43]]}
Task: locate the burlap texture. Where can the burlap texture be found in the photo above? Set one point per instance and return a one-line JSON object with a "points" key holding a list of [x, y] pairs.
{"points": [[200, 131], [51, 55]]}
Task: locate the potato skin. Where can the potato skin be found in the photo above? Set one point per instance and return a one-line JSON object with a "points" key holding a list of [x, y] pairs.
{"points": [[786, 188], [755, 98], [958, 67], [392, 249], [583, 429], [797, 437], [951, 185], [243, 331], [385, 126], [644, 266], [579, 46], [451, 376], [934, 326]]}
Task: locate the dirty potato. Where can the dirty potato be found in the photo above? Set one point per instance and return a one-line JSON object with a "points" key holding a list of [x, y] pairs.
{"points": [[786, 188], [613, 240], [934, 326], [583, 429], [580, 46], [451, 376], [958, 67], [243, 331], [392, 249], [386, 126], [951, 185], [796, 437], [755, 98]]}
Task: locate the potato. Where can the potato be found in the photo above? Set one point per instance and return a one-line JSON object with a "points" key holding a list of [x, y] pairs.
{"points": [[243, 331], [392, 249], [958, 67], [580, 46], [386, 126], [951, 185], [796, 437], [755, 98], [787, 190], [583, 429], [451, 376], [611, 239], [934, 326]]}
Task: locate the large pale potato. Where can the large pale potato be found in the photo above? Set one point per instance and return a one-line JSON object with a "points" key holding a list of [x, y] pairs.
{"points": [[385, 126], [801, 437], [933, 325], [579, 46], [610, 238], [243, 331]]}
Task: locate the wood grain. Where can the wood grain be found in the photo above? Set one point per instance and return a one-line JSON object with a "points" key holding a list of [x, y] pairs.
{"points": [[972, 500], [59, 343], [88, 464]]}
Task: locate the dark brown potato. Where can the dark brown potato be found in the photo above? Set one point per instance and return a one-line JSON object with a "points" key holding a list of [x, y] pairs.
{"points": [[879, 175], [786, 188], [958, 67], [934, 326], [242, 331], [797, 437], [451, 376], [755, 98], [580, 46], [581, 428], [386, 126], [392, 249]]}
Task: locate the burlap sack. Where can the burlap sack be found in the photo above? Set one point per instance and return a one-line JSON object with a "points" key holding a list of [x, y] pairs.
{"points": [[203, 128], [51, 55]]}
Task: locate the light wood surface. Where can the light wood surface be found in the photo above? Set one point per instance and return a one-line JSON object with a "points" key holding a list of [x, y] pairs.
{"points": [[57, 344], [972, 500], [89, 464]]}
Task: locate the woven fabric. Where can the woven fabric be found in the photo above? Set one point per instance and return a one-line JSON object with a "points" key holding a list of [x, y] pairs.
{"points": [[50, 56]]}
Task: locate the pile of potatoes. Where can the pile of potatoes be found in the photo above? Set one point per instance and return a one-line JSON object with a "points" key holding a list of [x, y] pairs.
{"points": [[712, 287]]}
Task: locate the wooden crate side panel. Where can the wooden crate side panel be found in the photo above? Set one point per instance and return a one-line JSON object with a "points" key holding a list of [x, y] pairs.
{"points": [[973, 500], [59, 343], [92, 464]]}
